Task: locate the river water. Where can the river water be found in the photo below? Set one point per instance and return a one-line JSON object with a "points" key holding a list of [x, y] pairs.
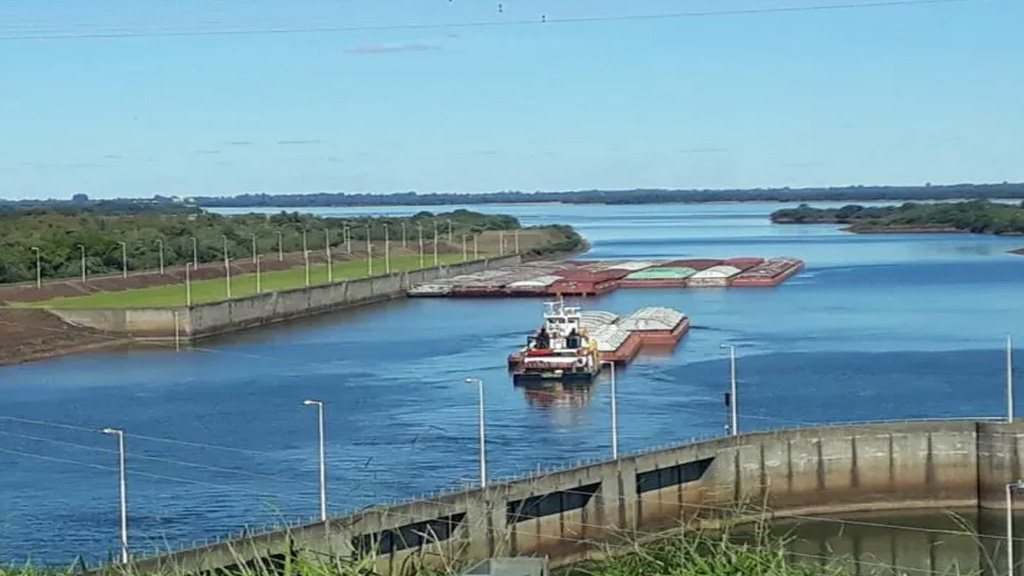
{"points": [[878, 327]]}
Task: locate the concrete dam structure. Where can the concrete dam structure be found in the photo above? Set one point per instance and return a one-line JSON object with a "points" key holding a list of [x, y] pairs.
{"points": [[204, 320], [920, 465]]}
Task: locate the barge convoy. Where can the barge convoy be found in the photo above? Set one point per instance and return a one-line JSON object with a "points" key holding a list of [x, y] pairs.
{"points": [[571, 346], [591, 278]]}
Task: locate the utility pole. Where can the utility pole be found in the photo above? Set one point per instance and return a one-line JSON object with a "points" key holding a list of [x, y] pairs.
{"points": [[124, 260], [39, 268], [420, 228], [188, 284], [327, 249], [405, 244], [82, 246], [476, 248], [435, 244], [387, 251], [227, 267], [280, 246], [323, 456], [160, 246], [733, 409], [450, 240], [305, 253], [465, 249], [483, 432], [254, 250], [123, 485], [1009, 378], [369, 253], [195, 253]]}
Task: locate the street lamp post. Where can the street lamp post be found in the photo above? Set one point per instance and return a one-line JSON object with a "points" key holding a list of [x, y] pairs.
{"points": [[259, 275], [188, 284], [420, 228], [483, 431], [39, 268], [450, 231], [227, 268], [123, 489], [476, 248], [323, 457], [733, 414], [305, 253], [82, 246], [517, 240], [160, 248], [348, 238], [124, 260], [369, 253], [435, 244], [465, 248], [501, 242], [615, 411], [195, 253], [387, 251], [1015, 486], [327, 251], [405, 242], [280, 246], [1009, 378]]}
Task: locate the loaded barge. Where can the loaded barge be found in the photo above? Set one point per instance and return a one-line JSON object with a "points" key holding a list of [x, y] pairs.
{"points": [[571, 346], [592, 278]]}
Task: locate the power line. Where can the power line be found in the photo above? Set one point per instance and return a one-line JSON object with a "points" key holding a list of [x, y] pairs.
{"points": [[114, 34], [159, 459]]}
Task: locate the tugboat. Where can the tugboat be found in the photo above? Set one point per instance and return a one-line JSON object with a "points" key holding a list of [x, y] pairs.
{"points": [[560, 351]]}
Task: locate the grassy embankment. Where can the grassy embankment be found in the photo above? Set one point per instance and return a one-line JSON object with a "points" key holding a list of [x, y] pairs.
{"points": [[214, 290], [678, 553]]}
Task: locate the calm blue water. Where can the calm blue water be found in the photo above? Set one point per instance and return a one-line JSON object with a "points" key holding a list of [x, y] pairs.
{"points": [[878, 327]]}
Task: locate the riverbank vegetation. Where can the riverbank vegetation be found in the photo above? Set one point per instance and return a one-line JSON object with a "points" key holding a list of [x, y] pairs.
{"points": [[637, 196], [678, 553], [62, 235], [974, 216]]}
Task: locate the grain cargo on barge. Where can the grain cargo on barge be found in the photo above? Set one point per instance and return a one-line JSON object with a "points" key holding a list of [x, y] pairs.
{"points": [[594, 278]]}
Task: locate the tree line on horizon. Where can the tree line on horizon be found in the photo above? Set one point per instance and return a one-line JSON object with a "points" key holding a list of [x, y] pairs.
{"points": [[977, 216], [1005, 190]]}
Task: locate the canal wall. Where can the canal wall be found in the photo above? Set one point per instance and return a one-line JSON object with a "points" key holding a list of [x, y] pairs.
{"points": [[563, 514], [204, 320]]}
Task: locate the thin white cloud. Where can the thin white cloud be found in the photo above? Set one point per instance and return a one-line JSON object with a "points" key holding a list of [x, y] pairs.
{"points": [[368, 49]]}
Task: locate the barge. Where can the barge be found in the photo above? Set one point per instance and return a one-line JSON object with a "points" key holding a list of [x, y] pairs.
{"points": [[571, 345], [594, 278]]}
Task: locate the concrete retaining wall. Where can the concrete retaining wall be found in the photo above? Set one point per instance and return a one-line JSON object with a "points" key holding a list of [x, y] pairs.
{"points": [[932, 464], [210, 319]]}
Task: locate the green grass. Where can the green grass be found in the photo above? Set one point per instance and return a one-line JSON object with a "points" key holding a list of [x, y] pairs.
{"points": [[214, 290]]}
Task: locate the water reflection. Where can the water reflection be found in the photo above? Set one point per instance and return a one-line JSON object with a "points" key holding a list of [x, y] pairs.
{"points": [[953, 542], [557, 395]]}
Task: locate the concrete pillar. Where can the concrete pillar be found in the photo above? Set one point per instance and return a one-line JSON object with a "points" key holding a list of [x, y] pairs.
{"points": [[999, 462], [486, 525]]}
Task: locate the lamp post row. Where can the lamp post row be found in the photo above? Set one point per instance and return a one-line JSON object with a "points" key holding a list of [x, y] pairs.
{"points": [[733, 430], [347, 239]]}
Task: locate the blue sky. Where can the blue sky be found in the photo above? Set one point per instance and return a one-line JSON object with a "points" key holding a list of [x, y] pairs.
{"points": [[415, 95]]}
